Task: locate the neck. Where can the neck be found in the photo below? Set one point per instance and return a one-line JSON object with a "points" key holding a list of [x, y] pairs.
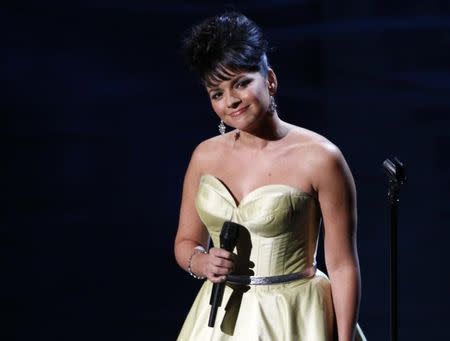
{"points": [[269, 130]]}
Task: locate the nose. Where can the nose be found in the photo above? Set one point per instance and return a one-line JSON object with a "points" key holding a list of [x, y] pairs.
{"points": [[233, 101]]}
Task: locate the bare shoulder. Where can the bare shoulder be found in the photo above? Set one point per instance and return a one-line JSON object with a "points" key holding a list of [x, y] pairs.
{"points": [[320, 160], [209, 152], [314, 147]]}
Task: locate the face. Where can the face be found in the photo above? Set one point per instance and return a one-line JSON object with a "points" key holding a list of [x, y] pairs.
{"points": [[244, 99]]}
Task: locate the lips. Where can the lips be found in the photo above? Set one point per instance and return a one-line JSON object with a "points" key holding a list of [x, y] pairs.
{"points": [[238, 112]]}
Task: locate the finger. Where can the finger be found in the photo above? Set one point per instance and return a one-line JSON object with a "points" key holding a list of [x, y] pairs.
{"points": [[218, 271], [216, 276], [222, 263], [221, 253], [217, 279]]}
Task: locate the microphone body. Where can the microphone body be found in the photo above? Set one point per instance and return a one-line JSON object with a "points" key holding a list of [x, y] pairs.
{"points": [[228, 239]]}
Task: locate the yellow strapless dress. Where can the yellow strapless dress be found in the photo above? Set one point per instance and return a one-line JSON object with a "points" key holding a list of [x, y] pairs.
{"points": [[280, 237]]}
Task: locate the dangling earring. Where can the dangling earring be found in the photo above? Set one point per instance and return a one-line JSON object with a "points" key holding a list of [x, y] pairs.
{"points": [[221, 128], [272, 105]]}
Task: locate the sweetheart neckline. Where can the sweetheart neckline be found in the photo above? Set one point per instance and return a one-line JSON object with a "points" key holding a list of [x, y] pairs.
{"points": [[255, 190]]}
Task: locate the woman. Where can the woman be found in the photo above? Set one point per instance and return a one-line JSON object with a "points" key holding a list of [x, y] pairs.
{"points": [[278, 181]]}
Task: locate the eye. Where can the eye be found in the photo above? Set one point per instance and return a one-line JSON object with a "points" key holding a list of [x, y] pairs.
{"points": [[215, 96], [243, 83]]}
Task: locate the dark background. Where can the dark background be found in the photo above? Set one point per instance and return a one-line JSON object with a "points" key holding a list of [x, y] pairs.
{"points": [[99, 117]]}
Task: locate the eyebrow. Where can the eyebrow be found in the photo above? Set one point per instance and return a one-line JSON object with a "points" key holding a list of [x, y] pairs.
{"points": [[233, 82]]}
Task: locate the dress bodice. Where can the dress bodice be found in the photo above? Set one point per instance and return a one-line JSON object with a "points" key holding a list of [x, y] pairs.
{"points": [[281, 225]]}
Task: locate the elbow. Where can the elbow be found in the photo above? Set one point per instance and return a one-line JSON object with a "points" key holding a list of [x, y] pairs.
{"points": [[177, 252], [345, 266]]}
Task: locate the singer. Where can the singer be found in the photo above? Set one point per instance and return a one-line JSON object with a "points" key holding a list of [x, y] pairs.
{"points": [[278, 182]]}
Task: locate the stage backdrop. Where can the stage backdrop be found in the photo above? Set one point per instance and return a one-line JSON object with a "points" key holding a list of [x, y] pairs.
{"points": [[99, 117]]}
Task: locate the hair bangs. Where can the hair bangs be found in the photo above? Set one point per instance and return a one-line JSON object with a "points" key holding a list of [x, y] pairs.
{"points": [[229, 67]]}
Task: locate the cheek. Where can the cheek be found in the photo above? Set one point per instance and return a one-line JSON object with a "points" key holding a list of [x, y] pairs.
{"points": [[217, 108], [260, 96]]}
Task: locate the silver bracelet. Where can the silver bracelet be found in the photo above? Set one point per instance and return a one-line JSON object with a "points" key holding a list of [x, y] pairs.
{"points": [[197, 249]]}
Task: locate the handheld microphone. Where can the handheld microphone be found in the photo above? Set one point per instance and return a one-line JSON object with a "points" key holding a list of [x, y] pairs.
{"points": [[228, 238]]}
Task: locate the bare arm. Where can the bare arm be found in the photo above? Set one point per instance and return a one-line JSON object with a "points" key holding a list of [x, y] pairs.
{"points": [[191, 233], [337, 197]]}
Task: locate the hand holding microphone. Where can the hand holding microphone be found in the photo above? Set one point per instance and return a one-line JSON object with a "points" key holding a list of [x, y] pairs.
{"points": [[228, 239], [218, 264]]}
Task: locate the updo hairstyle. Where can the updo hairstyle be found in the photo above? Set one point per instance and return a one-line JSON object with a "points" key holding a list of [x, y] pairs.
{"points": [[223, 45]]}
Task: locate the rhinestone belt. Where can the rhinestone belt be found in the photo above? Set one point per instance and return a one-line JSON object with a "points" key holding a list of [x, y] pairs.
{"points": [[256, 280]]}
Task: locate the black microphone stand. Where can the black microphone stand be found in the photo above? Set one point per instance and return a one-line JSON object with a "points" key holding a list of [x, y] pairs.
{"points": [[396, 173]]}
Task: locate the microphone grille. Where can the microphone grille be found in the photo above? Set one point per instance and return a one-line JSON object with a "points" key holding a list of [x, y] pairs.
{"points": [[229, 231]]}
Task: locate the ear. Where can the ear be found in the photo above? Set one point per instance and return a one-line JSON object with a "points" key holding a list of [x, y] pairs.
{"points": [[272, 82]]}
